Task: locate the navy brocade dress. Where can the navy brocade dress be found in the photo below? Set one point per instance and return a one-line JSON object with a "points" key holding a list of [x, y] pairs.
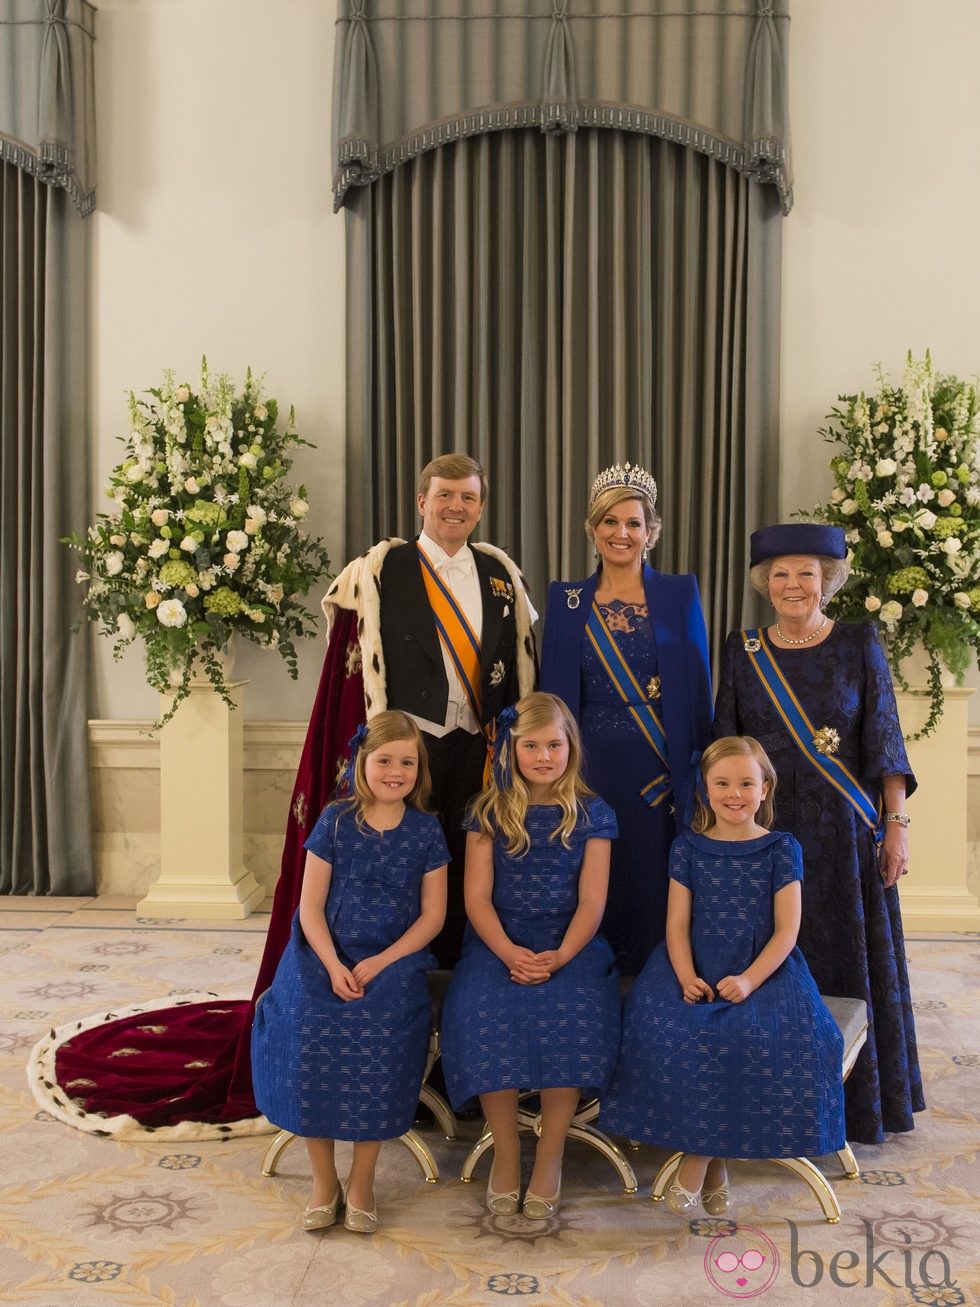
{"points": [[497, 1034], [328, 1069], [618, 762], [851, 933], [760, 1078]]}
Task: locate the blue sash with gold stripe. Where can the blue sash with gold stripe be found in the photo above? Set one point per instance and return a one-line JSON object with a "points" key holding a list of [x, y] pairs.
{"points": [[455, 633], [815, 745], [632, 694]]}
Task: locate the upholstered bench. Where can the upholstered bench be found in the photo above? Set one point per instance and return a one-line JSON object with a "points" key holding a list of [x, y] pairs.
{"points": [[440, 1109], [851, 1015]]}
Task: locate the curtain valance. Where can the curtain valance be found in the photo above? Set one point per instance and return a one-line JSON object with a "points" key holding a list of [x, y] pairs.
{"points": [[411, 75], [47, 95]]}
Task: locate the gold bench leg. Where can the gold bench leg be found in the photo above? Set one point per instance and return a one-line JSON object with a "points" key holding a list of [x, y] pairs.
{"points": [[420, 1150], [579, 1129], [800, 1166], [604, 1145], [481, 1146], [413, 1142], [275, 1150], [804, 1168], [441, 1110], [664, 1177], [848, 1161]]}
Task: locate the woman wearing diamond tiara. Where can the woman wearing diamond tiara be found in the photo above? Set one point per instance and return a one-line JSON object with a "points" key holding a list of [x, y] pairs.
{"points": [[818, 696], [626, 649]]}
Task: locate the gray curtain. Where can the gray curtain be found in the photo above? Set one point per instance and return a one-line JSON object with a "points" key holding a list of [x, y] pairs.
{"points": [[708, 74], [553, 304], [47, 93], [46, 186]]}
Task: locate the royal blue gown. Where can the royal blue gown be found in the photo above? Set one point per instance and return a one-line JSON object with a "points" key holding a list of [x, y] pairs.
{"points": [[851, 932], [497, 1034], [760, 1078], [662, 638], [328, 1069]]}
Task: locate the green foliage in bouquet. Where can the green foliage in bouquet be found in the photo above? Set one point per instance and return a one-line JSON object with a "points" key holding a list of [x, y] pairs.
{"points": [[203, 539]]}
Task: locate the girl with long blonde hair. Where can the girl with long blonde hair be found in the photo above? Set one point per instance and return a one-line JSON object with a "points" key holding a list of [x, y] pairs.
{"points": [[534, 1001]]}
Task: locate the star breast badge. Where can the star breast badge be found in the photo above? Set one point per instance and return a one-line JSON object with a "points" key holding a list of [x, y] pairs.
{"points": [[826, 740], [497, 672]]}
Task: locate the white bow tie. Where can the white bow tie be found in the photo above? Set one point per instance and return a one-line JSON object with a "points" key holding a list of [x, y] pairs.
{"points": [[454, 567]]}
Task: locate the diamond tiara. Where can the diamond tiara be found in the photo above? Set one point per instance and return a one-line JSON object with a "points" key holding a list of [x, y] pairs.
{"points": [[635, 478]]}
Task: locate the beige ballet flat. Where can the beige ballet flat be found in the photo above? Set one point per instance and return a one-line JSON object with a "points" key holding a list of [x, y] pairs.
{"points": [[680, 1200], [537, 1208], [319, 1218], [502, 1204], [360, 1222], [716, 1201]]}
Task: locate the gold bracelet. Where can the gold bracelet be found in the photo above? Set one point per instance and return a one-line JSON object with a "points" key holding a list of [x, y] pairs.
{"points": [[900, 818]]}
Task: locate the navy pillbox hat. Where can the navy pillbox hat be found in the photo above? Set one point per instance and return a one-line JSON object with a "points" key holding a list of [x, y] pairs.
{"points": [[811, 538]]}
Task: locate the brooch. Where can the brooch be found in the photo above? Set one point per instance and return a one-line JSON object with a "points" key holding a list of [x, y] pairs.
{"points": [[299, 810], [753, 646], [826, 740], [572, 596], [653, 687], [501, 589], [497, 674]]}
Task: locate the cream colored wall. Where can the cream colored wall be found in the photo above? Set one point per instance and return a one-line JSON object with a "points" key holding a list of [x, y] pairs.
{"points": [[880, 249], [215, 231], [215, 234]]}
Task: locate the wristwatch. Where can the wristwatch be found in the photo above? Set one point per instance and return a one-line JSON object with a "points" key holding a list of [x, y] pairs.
{"points": [[900, 818]]}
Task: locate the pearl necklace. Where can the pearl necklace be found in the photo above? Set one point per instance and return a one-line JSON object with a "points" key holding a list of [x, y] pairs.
{"points": [[787, 639]]}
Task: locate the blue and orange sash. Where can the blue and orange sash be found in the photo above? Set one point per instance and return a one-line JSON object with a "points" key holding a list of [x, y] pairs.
{"points": [[806, 739], [632, 694], [455, 633]]}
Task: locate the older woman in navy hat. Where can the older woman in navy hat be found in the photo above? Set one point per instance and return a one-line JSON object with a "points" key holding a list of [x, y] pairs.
{"points": [[818, 696]]}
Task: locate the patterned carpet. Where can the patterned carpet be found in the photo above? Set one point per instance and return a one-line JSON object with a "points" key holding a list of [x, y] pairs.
{"points": [[85, 1220]]}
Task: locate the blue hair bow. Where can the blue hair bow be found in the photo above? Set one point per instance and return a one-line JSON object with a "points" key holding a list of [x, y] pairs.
{"points": [[700, 789], [354, 744], [503, 773]]}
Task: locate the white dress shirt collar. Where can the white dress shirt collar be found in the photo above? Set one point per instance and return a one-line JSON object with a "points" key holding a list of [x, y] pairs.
{"points": [[461, 560]]}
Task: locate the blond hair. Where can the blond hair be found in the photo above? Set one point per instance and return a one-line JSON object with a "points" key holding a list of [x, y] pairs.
{"points": [[734, 746], [607, 499], [503, 811], [452, 467], [387, 728]]}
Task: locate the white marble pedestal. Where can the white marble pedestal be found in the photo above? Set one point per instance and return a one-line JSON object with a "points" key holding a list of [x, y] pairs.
{"points": [[934, 894], [201, 812]]}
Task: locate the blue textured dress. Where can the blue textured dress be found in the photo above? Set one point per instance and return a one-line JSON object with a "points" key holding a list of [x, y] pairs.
{"points": [[665, 637], [851, 933], [760, 1078], [618, 763], [497, 1034], [329, 1069]]}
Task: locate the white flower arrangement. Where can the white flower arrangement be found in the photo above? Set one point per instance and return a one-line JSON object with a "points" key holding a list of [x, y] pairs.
{"points": [[203, 536], [914, 569]]}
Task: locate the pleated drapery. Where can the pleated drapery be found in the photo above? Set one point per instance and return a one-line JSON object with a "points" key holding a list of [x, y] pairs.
{"points": [[554, 304], [413, 75], [47, 184], [47, 93]]}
